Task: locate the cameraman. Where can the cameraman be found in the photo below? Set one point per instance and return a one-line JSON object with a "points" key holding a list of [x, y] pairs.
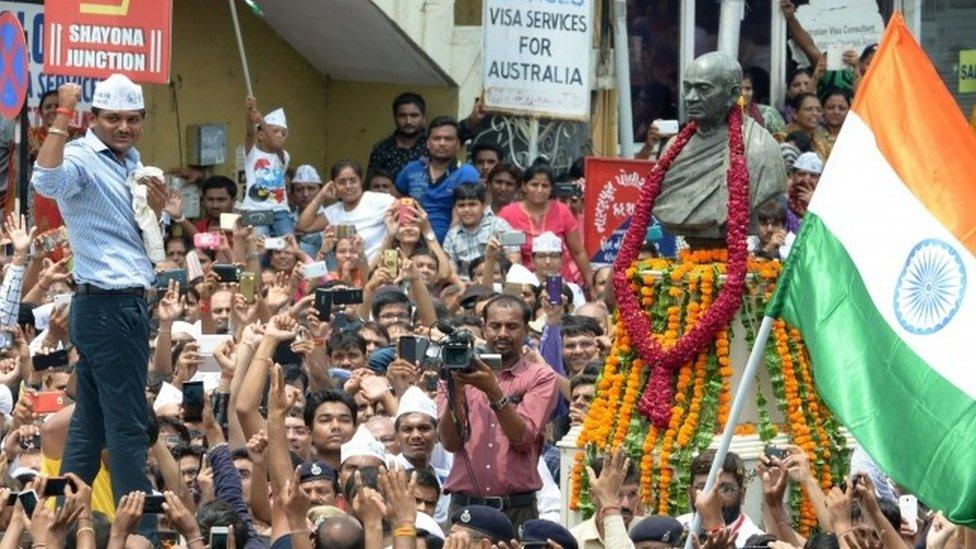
{"points": [[503, 414]]}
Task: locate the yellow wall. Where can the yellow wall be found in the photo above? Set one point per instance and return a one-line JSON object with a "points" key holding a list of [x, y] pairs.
{"points": [[207, 85], [359, 115], [327, 119]]}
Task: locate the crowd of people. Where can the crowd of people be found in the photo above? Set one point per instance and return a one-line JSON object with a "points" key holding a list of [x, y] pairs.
{"points": [[379, 357]]}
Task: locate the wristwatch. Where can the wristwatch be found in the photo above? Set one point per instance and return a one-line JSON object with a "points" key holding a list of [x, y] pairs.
{"points": [[430, 236], [499, 404]]}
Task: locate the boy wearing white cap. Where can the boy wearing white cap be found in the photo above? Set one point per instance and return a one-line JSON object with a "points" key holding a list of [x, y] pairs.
{"points": [[547, 258], [305, 184], [265, 162], [88, 179]]}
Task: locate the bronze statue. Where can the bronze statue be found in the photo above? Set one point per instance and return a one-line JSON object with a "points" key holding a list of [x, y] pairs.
{"points": [[694, 195]]}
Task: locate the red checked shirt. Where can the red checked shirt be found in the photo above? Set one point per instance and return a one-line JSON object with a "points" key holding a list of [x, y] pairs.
{"points": [[500, 467]]}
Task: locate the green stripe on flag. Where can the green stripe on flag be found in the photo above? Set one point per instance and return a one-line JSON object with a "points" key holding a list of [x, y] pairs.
{"points": [[919, 428]]}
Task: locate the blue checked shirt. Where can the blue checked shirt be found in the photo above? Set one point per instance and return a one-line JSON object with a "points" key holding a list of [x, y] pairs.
{"points": [[93, 196], [464, 245], [10, 295]]}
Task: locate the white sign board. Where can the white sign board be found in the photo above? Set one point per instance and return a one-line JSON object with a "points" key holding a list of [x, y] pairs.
{"points": [[537, 57], [31, 17], [839, 25]]}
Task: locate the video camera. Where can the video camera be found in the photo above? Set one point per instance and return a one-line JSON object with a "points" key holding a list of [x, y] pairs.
{"points": [[457, 351]]}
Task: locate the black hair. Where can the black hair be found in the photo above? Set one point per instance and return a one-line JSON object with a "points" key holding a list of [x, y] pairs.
{"points": [[220, 513], [632, 475], [801, 139], [592, 368], [577, 325], [184, 450], [581, 379], [95, 111], [760, 540], [484, 146], [317, 399], [409, 98], [506, 300], [427, 479], [25, 315], [732, 465], [343, 164], [760, 83], [797, 100], [293, 373], [374, 326], [834, 90], [240, 453], [344, 341], [370, 475], [502, 262], [469, 191], [219, 182], [538, 168], [386, 298], [771, 211], [505, 167], [373, 173], [442, 121], [790, 75], [867, 52], [152, 426], [822, 541], [176, 425], [49, 93]]}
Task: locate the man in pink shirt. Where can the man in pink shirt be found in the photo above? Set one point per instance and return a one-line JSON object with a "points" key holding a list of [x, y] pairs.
{"points": [[495, 428]]}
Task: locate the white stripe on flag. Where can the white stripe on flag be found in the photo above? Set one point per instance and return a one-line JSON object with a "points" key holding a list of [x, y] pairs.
{"points": [[877, 219], [152, 51], [51, 53], [159, 51]]}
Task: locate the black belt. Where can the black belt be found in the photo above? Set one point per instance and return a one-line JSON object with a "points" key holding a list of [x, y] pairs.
{"points": [[89, 289], [522, 499]]}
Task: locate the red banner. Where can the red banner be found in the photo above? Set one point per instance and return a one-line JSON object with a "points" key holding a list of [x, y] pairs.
{"points": [[97, 38], [609, 200]]}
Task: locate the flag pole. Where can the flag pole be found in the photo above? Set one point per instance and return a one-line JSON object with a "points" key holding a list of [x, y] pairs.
{"points": [[745, 385], [240, 47]]}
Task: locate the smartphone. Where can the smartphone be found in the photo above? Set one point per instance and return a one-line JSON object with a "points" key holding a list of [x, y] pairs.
{"points": [[179, 275], [391, 261], [63, 299], [12, 498], [207, 241], [535, 544], [192, 401], [345, 231], [6, 339], [227, 273], [323, 303], [666, 127], [28, 500], [168, 538], [32, 443], [153, 504], [412, 348], [194, 270], [403, 209], [255, 219], [57, 359], [274, 243], [554, 288], [218, 537], [315, 270], [249, 284], [48, 402], [493, 360], [512, 238], [55, 486], [350, 296], [775, 452], [228, 221], [908, 505]]}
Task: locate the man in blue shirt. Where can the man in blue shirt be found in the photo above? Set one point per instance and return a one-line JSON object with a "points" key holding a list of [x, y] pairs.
{"points": [[109, 318], [431, 181]]}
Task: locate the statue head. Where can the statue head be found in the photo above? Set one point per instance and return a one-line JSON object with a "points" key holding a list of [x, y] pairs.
{"points": [[711, 85]]}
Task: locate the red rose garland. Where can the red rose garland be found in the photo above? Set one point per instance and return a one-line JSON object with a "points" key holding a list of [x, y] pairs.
{"points": [[655, 403]]}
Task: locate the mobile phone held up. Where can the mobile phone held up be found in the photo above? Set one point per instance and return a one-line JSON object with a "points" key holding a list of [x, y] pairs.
{"points": [[412, 348], [207, 241], [56, 359], [218, 537], [554, 289], [257, 219], [49, 402], [153, 504], [511, 238], [192, 401], [775, 452], [227, 273], [323, 303]]}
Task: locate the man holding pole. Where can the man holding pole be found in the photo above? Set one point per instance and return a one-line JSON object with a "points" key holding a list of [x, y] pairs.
{"points": [[88, 179]]}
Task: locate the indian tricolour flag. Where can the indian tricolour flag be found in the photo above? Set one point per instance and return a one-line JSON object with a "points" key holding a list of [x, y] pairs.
{"points": [[879, 278]]}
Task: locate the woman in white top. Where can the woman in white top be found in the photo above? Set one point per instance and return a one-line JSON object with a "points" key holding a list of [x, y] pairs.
{"points": [[352, 206]]}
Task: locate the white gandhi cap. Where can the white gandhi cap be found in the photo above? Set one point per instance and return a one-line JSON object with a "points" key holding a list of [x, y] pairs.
{"points": [[118, 93]]}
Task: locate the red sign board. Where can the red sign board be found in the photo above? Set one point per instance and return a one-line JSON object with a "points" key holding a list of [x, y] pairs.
{"points": [[13, 65], [609, 201], [97, 38]]}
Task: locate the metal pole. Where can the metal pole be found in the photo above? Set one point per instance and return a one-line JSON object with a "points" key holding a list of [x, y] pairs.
{"points": [[777, 56], [741, 394], [240, 47], [533, 140], [686, 52], [729, 23], [621, 58], [22, 204]]}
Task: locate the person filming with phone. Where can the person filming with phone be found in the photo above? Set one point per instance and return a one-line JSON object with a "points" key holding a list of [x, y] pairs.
{"points": [[109, 319], [495, 426]]}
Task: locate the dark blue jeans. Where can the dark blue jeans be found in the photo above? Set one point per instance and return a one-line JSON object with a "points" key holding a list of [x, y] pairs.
{"points": [[111, 334]]}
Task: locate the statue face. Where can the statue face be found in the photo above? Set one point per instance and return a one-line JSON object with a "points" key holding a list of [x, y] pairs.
{"points": [[707, 95]]}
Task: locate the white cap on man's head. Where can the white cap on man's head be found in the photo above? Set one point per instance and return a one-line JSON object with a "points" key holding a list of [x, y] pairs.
{"points": [[520, 274], [415, 400], [808, 162], [306, 174], [547, 242], [276, 118], [363, 443], [118, 93]]}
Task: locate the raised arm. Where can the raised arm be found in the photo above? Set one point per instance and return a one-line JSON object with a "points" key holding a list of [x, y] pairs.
{"points": [[802, 38], [310, 221]]}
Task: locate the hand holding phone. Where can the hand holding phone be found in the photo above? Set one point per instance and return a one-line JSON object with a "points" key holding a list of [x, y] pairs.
{"points": [[192, 401]]}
